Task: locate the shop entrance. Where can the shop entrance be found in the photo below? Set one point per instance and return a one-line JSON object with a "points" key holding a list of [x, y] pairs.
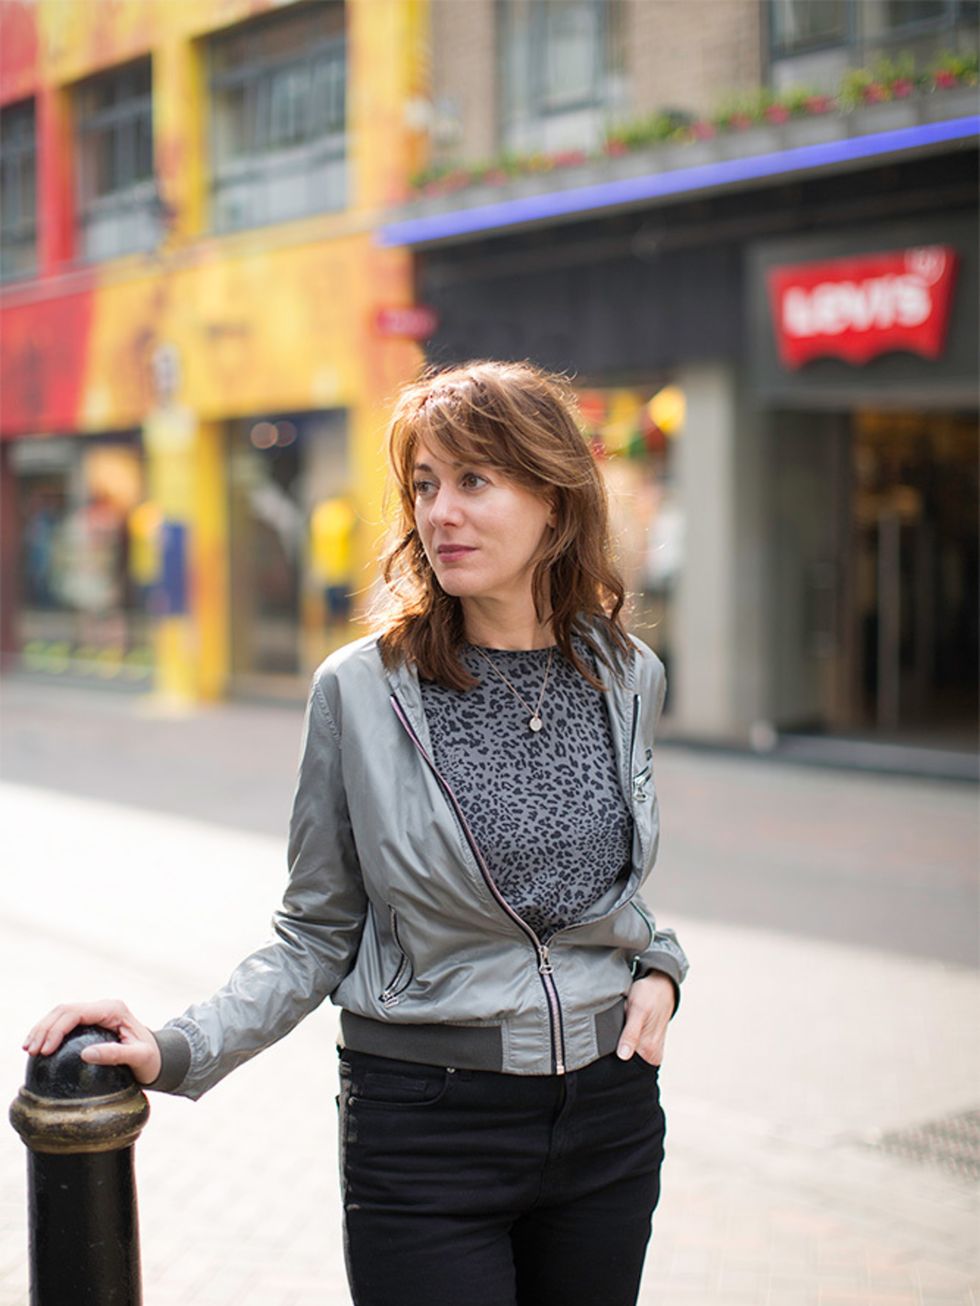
{"points": [[81, 611], [290, 593], [913, 575]]}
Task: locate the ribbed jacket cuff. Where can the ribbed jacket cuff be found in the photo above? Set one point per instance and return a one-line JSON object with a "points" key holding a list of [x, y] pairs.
{"points": [[175, 1059]]}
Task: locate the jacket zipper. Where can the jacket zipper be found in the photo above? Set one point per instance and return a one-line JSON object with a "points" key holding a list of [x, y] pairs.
{"points": [[390, 995], [545, 969], [628, 787]]}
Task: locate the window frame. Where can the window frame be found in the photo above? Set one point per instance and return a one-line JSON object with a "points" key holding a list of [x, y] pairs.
{"points": [[533, 117], [133, 191], [779, 51], [856, 41], [289, 158]]}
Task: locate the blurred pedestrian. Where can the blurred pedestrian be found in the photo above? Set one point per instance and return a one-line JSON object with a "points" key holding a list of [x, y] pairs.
{"points": [[473, 819]]}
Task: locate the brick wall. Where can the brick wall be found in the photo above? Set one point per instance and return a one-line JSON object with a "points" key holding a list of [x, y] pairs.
{"points": [[464, 88], [691, 54]]}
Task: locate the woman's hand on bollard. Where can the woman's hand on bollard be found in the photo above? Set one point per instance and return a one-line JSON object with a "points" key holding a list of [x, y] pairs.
{"points": [[137, 1048]]}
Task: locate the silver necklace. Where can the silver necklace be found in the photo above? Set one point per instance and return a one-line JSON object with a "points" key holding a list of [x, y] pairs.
{"points": [[534, 722]]}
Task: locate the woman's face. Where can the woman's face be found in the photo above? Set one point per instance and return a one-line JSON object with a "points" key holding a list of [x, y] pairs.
{"points": [[480, 530]]}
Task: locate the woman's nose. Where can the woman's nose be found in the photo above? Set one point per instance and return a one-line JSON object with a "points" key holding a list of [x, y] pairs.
{"points": [[445, 507]]}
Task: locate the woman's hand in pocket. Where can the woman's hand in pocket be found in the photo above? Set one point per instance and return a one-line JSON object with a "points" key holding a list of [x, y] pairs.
{"points": [[649, 1007]]}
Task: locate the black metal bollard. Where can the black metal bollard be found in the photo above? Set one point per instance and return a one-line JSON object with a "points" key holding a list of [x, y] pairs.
{"points": [[80, 1123]]}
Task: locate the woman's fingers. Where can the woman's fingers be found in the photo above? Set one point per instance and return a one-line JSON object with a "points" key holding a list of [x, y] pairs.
{"points": [[47, 1035], [648, 1011], [143, 1057], [137, 1047]]}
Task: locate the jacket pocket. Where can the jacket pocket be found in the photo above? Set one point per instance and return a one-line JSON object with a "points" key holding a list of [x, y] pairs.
{"points": [[402, 977]]}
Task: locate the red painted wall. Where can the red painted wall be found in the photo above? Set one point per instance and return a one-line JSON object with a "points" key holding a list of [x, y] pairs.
{"points": [[18, 50]]}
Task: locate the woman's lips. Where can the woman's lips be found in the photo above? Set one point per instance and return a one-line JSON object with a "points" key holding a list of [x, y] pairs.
{"points": [[453, 552]]}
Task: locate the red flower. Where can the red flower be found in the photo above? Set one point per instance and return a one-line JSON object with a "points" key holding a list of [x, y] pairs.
{"points": [[902, 87], [819, 104], [740, 121], [615, 148], [495, 177], [875, 93], [704, 131], [944, 79], [568, 158], [777, 113]]}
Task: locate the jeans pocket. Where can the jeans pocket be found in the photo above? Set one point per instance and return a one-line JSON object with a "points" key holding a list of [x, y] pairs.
{"points": [[642, 1067], [379, 1082]]}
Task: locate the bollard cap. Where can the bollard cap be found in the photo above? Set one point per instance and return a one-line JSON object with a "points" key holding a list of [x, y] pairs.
{"points": [[64, 1075], [68, 1106]]}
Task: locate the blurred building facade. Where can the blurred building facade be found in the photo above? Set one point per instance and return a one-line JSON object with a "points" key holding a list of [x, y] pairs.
{"points": [[749, 230], [200, 334]]}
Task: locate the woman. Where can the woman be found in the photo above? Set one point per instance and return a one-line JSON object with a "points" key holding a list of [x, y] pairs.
{"points": [[473, 818]]}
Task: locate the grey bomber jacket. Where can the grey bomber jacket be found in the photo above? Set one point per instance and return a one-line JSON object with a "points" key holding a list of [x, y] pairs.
{"points": [[390, 910]]}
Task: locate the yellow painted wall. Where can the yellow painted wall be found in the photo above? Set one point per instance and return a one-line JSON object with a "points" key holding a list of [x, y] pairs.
{"points": [[273, 318]]}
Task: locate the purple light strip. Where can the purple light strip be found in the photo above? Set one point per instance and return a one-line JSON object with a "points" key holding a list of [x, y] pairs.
{"points": [[629, 190]]}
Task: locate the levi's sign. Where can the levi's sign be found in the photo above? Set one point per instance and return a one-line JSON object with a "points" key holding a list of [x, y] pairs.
{"points": [[857, 308]]}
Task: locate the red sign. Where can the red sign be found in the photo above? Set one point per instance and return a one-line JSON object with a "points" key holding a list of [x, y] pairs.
{"points": [[857, 308], [415, 322]]}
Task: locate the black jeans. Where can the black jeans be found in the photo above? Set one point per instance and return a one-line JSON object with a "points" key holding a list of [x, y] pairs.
{"points": [[473, 1188]]}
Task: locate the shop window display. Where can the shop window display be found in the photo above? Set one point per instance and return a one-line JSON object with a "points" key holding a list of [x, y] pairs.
{"points": [[634, 432], [292, 526], [81, 609]]}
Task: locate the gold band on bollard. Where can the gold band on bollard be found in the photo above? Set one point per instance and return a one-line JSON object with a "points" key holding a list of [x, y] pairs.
{"points": [[85, 1124]]}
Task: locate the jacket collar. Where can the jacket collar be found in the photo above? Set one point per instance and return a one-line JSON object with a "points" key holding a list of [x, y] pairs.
{"points": [[619, 681]]}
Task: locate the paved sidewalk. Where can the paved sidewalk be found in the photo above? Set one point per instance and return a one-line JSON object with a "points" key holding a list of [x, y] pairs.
{"points": [[790, 1058], [787, 1059]]}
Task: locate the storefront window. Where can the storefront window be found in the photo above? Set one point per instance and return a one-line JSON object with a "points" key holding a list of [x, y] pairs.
{"points": [[81, 609], [634, 434], [292, 528]]}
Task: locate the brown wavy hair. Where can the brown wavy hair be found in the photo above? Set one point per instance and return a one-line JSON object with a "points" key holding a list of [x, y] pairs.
{"points": [[521, 421]]}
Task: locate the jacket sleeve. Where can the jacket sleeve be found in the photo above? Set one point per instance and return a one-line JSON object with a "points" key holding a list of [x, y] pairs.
{"points": [[316, 931], [664, 953]]}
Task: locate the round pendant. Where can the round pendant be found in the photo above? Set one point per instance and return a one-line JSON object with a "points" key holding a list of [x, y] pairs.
{"points": [[535, 723]]}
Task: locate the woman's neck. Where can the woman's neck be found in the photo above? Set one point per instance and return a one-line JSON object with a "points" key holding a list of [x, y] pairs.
{"points": [[500, 625]]}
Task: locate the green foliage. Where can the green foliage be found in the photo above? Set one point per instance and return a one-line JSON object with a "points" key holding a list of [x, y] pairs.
{"points": [[888, 78]]}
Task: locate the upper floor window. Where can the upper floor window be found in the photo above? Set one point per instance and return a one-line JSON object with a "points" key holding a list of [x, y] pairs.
{"points": [[18, 191], [813, 42], [117, 200], [802, 24], [562, 69], [278, 94]]}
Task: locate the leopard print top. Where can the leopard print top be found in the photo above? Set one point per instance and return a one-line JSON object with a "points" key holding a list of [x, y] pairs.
{"points": [[546, 810]]}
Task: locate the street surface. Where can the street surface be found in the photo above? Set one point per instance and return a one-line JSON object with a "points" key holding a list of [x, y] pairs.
{"points": [[830, 1012]]}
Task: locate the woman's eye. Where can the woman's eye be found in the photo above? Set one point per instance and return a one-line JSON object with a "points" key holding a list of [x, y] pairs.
{"points": [[473, 480], [423, 488]]}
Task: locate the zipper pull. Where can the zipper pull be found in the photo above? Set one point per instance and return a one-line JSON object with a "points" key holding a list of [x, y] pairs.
{"points": [[544, 964], [389, 999]]}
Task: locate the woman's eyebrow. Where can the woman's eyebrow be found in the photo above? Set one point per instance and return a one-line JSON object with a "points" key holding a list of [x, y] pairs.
{"points": [[424, 467]]}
